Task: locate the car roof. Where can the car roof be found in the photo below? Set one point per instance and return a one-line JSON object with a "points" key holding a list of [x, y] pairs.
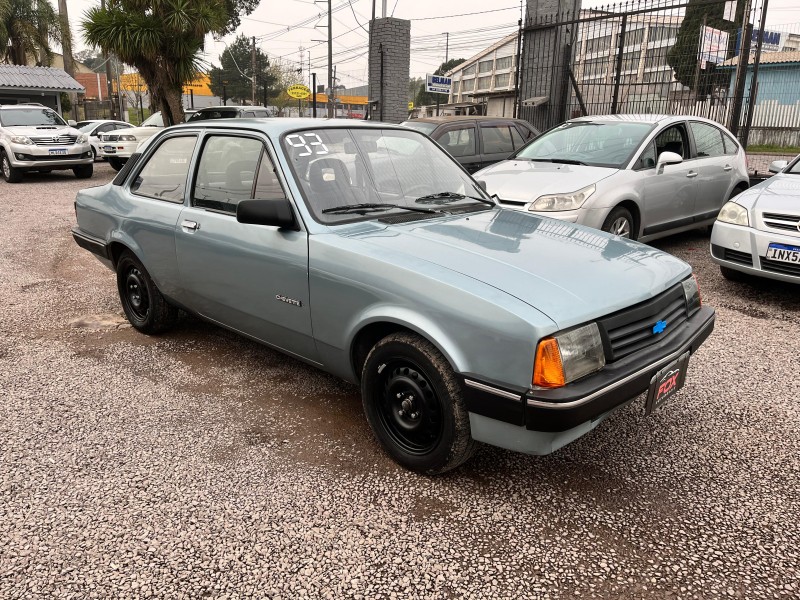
{"points": [[455, 118], [275, 126], [650, 119]]}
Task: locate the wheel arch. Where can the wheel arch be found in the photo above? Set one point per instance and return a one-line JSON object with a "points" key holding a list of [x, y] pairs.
{"points": [[632, 207]]}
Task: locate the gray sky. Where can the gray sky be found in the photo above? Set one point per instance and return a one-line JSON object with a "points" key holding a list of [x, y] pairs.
{"points": [[272, 23]]}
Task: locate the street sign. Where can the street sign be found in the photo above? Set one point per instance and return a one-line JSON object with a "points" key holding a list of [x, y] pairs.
{"points": [[438, 84], [299, 91], [410, 106]]}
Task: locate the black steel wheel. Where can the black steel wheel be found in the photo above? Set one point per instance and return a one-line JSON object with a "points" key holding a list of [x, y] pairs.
{"points": [[414, 404], [144, 306]]}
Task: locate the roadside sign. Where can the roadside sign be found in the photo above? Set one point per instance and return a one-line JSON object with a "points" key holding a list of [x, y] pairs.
{"points": [[438, 84], [410, 106], [299, 91], [713, 46]]}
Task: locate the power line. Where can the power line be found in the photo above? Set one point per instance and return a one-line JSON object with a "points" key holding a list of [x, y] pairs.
{"points": [[482, 12]]}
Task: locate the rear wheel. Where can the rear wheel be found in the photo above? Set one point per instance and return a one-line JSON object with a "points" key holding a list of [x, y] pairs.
{"points": [[116, 163], [84, 171], [414, 405], [144, 306], [620, 222], [10, 174]]}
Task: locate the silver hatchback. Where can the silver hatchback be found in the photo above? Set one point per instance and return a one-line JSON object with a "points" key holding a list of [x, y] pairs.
{"points": [[637, 176]]}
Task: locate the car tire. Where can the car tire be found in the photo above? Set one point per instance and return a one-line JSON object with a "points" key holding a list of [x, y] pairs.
{"points": [[144, 306], [84, 171], [94, 154], [414, 404], [733, 274], [9, 173], [620, 222], [116, 163]]}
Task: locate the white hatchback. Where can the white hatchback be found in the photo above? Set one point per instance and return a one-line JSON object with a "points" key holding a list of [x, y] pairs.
{"points": [[637, 176]]}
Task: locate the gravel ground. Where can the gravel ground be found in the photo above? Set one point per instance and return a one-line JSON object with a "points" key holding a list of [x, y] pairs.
{"points": [[198, 464]]}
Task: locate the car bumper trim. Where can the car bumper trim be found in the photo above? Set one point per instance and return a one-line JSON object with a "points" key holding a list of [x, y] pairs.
{"points": [[90, 243]]}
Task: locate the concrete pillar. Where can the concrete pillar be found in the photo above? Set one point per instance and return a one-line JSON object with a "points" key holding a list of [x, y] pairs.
{"points": [[389, 67]]}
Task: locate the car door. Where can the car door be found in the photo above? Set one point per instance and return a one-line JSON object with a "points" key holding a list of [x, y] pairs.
{"points": [[251, 278], [158, 189], [461, 141], [715, 169], [496, 142], [669, 196]]}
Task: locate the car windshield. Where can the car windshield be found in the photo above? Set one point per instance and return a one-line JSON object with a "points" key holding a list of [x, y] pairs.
{"points": [[153, 120], [424, 127], [86, 127], [340, 167], [594, 143], [30, 117]]}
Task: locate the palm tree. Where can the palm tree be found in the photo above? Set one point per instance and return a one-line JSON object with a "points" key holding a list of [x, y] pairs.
{"points": [[162, 39], [27, 27]]}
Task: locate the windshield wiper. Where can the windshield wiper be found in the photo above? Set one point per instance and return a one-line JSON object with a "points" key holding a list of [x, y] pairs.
{"points": [[373, 206], [560, 161], [448, 197]]}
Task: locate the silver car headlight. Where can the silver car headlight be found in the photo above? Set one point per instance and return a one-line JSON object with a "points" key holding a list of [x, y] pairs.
{"points": [[127, 138], [21, 139], [691, 292], [570, 201], [82, 139], [568, 356], [734, 213]]}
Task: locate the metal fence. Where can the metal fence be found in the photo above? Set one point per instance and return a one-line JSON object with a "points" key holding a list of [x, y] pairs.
{"points": [[658, 57]]}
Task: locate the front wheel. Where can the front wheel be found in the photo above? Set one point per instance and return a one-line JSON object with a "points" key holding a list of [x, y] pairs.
{"points": [[116, 163], [144, 306], [414, 405], [620, 222], [84, 171], [10, 174], [733, 274]]}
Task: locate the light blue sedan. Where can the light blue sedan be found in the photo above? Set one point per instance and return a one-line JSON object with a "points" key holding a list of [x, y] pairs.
{"points": [[366, 250]]}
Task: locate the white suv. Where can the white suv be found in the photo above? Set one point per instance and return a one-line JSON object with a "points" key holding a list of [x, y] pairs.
{"points": [[34, 137]]}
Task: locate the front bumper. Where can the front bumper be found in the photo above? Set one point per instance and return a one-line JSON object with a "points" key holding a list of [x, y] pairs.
{"points": [[744, 249], [521, 421], [40, 157], [118, 149]]}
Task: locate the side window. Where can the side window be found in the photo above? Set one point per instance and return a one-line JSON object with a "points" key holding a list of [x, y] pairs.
{"points": [[459, 142], [104, 128], [248, 114], [261, 114], [731, 147], [648, 158], [708, 139], [226, 172], [123, 126], [267, 185], [527, 133], [164, 174], [673, 139], [497, 139]]}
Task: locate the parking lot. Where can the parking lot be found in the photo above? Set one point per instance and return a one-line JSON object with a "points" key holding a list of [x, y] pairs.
{"points": [[199, 464]]}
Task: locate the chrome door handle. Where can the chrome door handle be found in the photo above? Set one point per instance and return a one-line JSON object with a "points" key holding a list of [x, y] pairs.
{"points": [[692, 174], [193, 225], [727, 168]]}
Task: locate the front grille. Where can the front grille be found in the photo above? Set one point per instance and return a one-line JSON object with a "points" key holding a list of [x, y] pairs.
{"points": [[736, 256], [52, 157], [631, 330], [777, 266], [784, 222], [55, 140]]}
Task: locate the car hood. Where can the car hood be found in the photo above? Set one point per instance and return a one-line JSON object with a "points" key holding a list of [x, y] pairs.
{"points": [[778, 194], [525, 180], [569, 272], [139, 132], [42, 131]]}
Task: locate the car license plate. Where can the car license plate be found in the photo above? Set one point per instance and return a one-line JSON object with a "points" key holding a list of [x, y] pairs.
{"points": [[108, 149], [666, 383], [783, 253], [57, 151]]}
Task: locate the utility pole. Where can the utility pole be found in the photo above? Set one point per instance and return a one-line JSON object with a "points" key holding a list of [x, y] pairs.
{"points": [[253, 66], [66, 45], [314, 95], [330, 60], [446, 46], [109, 79]]}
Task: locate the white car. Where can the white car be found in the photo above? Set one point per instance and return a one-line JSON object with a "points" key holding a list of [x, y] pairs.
{"points": [[637, 176], [758, 233], [94, 128], [118, 146]]}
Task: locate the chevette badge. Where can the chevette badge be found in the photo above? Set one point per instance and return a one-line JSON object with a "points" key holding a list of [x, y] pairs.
{"points": [[659, 327], [291, 301]]}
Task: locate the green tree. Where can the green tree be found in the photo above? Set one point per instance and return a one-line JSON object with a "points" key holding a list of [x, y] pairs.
{"points": [[27, 29], [236, 73], [683, 57], [424, 98], [162, 39]]}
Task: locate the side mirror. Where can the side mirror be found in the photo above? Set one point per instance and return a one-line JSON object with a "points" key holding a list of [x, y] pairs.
{"points": [[667, 158], [776, 166], [277, 213], [482, 184], [72, 123]]}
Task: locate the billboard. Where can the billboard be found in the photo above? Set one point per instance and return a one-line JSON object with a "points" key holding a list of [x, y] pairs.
{"points": [[713, 45], [438, 84]]}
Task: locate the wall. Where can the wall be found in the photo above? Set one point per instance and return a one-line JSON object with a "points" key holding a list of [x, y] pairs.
{"points": [[392, 38]]}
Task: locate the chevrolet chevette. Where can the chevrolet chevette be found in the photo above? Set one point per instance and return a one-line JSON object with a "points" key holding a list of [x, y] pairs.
{"points": [[365, 250]]}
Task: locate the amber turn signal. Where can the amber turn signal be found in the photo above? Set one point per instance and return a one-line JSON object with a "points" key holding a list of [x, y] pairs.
{"points": [[548, 372]]}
